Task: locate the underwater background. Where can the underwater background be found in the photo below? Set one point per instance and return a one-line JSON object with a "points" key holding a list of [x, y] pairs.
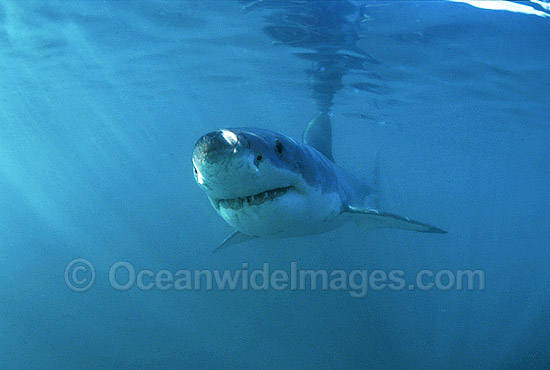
{"points": [[101, 103]]}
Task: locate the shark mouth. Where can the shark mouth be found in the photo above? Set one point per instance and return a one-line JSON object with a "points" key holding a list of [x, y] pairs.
{"points": [[253, 200]]}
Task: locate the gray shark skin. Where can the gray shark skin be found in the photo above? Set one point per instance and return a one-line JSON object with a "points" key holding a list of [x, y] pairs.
{"points": [[268, 185]]}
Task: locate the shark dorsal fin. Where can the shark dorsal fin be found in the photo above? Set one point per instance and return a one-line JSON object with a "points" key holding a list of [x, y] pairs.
{"points": [[318, 134]]}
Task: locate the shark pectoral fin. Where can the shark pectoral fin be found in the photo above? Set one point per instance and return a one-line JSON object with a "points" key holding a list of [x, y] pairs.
{"points": [[235, 238], [374, 219]]}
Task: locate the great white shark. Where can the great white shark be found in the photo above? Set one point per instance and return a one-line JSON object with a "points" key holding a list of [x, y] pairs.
{"points": [[268, 185]]}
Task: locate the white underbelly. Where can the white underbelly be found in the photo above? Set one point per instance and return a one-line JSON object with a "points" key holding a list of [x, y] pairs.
{"points": [[292, 214]]}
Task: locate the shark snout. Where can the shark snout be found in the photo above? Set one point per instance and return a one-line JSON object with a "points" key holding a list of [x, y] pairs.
{"points": [[214, 145]]}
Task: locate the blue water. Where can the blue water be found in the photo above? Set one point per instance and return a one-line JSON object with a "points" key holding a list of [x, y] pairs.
{"points": [[101, 104]]}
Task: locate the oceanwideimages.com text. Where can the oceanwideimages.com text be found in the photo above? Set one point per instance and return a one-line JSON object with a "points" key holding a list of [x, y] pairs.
{"points": [[80, 275]]}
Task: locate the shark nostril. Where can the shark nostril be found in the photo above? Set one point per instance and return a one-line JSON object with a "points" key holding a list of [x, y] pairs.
{"points": [[258, 159]]}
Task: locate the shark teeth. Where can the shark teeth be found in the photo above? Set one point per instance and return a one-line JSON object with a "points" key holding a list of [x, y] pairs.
{"points": [[253, 200]]}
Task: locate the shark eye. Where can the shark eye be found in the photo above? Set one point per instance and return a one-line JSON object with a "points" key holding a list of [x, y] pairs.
{"points": [[195, 170], [279, 146]]}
